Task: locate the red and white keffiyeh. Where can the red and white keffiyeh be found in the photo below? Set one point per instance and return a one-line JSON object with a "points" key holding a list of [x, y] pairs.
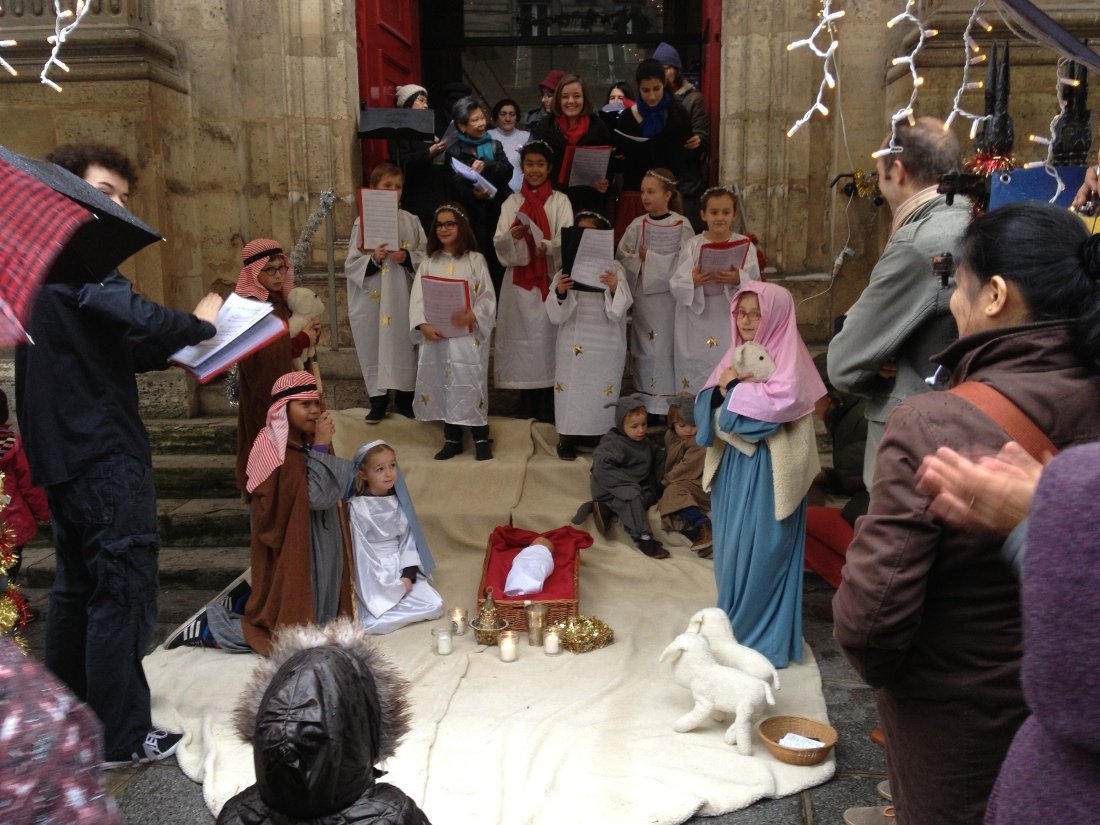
{"points": [[254, 256], [269, 449]]}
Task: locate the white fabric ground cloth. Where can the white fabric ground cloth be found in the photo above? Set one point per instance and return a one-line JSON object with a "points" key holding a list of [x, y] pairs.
{"points": [[574, 738]]}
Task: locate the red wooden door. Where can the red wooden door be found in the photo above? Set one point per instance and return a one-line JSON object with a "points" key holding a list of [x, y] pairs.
{"points": [[387, 35], [712, 77]]}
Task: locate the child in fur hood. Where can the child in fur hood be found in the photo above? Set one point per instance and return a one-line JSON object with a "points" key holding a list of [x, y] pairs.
{"points": [[320, 713], [626, 472]]}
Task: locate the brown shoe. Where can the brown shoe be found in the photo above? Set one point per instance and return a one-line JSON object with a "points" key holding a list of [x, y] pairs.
{"points": [[870, 816], [703, 541], [652, 548], [878, 736]]}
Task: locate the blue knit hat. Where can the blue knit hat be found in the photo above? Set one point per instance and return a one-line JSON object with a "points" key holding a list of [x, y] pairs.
{"points": [[666, 55]]}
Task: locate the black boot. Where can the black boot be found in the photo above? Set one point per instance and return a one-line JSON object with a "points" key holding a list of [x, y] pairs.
{"points": [[483, 448], [378, 406], [566, 450], [452, 443], [403, 402]]}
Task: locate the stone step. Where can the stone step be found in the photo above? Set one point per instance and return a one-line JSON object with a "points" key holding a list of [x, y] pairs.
{"points": [[186, 476], [201, 568], [215, 435]]}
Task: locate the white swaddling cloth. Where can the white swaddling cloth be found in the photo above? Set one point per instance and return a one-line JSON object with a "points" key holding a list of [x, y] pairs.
{"points": [[531, 568]]}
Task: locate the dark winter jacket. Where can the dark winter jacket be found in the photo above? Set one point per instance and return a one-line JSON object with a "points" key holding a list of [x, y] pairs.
{"points": [[76, 395], [320, 713]]}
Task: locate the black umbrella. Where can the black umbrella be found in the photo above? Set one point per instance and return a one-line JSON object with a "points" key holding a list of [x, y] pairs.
{"points": [[407, 124], [98, 246]]}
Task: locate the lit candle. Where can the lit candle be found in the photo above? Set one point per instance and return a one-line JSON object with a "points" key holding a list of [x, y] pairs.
{"points": [[552, 642], [508, 642], [443, 642], [458, 621]]}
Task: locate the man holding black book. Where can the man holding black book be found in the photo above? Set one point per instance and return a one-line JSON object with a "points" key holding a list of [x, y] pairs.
{"points": [[77, 403]]}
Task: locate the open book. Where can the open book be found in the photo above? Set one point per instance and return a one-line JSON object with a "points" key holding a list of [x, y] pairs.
{"points": [[244, 326]]}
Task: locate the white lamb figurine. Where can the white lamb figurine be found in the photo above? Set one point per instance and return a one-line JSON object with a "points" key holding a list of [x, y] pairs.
{"points": [[304, 306], [713, 624], [717, 690]]}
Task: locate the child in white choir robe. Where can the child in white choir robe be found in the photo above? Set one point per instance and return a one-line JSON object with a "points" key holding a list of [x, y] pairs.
{"points": [[392, 560], [378, 304], [524, 348], [648, 273], [702, 320], [452, 374], [590, 352]]}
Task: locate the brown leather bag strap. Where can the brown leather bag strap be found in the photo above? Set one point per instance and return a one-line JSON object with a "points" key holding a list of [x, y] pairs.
{"points": [[1008, 416]]}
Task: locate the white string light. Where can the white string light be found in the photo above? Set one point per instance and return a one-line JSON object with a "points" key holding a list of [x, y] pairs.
{"points": [[5, 65], [969, 45], [827, 55], [1048, 162], [61, 33], [910, 60]]}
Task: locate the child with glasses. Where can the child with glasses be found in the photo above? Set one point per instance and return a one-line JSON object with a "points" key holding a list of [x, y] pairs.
{"points": [[452, 374], [762, 458], [703, 293], [266, 275]]}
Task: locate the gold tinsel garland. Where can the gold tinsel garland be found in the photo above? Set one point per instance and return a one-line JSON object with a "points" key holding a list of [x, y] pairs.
{"points": [[14, 607], [580, 634]]}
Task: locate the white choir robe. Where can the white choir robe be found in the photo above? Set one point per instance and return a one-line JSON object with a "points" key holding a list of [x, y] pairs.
{"points": [[384, 546], [704, 327], [378, 309], [654, 314], [590, 354], [452, 375], [523, 357]]}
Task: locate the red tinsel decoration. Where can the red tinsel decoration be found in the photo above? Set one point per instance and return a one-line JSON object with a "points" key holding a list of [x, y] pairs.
{"points": [[985, 163]]}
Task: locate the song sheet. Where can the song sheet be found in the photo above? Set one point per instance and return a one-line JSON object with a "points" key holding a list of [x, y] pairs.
{"points": [[378, 219], [589, 165], [443, 297]]}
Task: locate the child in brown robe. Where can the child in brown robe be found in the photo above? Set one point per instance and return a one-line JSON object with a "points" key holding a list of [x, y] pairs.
{"points": [[685, 505]]}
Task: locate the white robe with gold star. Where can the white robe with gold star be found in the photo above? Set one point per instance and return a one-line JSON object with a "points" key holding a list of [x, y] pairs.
{"points": [[590, 353], [378, 309], [652, 338], [703, 325], [523, 357], [452, 375]]}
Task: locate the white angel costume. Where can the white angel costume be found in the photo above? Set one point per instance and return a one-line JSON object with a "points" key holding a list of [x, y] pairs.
{"points": [[652, 341], [524, 349], [591, 353], [386, 539], [703, 328], [378, 309], [452, 375]]}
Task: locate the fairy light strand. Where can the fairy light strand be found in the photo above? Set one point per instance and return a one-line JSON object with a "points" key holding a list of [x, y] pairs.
{"points": [[909, 60], [60, 35], [969, 59], [1048, 162], [828, 59]]}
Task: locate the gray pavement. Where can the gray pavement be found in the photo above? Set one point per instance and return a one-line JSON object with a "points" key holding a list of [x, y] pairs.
{"points": [[162, 795]]}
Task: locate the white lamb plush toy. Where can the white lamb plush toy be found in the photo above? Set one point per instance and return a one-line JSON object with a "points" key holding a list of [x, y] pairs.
{"points": [[717, 690], [713, 624], [304, 306], [751, 357]]}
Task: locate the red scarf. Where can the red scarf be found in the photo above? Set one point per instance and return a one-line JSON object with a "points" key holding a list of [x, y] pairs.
{"points": [[534, 274], [573, 135]]}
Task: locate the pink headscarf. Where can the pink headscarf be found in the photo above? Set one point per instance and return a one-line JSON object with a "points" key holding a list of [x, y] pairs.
{"points": [[794, 387], [254, 256], [269, 449]]}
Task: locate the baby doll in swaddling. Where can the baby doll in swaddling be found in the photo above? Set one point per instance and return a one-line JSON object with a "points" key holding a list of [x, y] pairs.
{"points": [[392, 560]]}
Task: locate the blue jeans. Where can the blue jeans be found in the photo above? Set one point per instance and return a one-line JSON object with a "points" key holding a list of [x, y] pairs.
{"points": [[103, 604]]}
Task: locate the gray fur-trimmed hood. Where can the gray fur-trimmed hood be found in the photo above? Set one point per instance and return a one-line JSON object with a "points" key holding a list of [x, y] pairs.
{"points": [[320, 712]]}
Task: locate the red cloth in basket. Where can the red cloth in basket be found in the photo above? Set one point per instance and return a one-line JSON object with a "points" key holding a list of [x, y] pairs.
{"points": [[505, 543]]}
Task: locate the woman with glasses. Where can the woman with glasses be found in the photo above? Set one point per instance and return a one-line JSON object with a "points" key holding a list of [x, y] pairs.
{"points": [[266, 275], [762, 458]]}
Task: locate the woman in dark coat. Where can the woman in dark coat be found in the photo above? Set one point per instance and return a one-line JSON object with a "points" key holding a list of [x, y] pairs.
{"points": [[927, 614], [649, 134], [571, 123], [421, 161], [320, 713], [475, 148]]}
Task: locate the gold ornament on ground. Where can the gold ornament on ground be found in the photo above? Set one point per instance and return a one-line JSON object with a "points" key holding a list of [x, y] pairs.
{"points": [[579, 634]]}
